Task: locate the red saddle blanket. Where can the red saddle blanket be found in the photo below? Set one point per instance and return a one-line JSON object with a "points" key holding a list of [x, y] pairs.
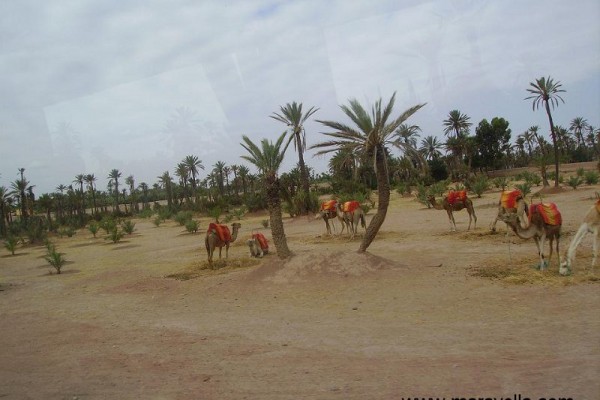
{"points": [[328, 205], [456, 196], [509, 198], [350, 206], [221, 230], [548, 211], [262, 240]]}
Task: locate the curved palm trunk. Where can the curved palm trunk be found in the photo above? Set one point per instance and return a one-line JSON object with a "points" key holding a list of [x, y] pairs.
{"points": [[276, 221], [383, 190], [554, 143]]}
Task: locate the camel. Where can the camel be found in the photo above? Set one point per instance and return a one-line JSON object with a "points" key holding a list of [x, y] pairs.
{"points": [[540, 228], [330, 212], [590, 224], [258, 245], [352, 217], [457, 205], [214, 239], [512, 202]]}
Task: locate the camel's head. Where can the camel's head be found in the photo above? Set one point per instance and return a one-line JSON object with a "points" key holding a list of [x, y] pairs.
{"points": [[509, 217], [236, 226], [254, 246], [565, 267]]}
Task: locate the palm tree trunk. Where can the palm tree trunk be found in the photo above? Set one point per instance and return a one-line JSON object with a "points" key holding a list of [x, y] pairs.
{"points": [[554, 143], [383, 191], [305, 183], [276, 221]]}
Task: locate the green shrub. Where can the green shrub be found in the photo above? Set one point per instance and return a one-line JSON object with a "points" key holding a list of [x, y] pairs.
{"points": [[228, 218], [66, 231], [108, 224], [480, 185], [11, 244], [182, 217], [128, 227], [240, 212], [157, 221], [403, 188], [115, 235], [146, 213], [580, 172], [191, 226], [525, 188], [93, 227], [591, 177], [55, 259], [500, 182], [574, 181], [265, 223]]}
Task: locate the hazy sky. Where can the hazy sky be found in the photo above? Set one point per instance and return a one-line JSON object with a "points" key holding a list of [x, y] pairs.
{"points": [[87, 86]]}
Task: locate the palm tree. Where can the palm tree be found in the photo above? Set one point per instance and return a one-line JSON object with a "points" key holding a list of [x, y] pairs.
{"points": [[268, 159], [4, 208], [144, 188], [374, 134], [244, 172], [130, 180], [408, 134], [90, 180], [114, 176], [578, 125], [182, 172], [165, 180], [431, 148], [19, 188], [457, 123], [546, 92], [292, 116], [218, 170], [193, 163], [79, 180]]}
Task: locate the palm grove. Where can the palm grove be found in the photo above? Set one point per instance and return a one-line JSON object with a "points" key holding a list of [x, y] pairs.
{"points": [[373, 150]]}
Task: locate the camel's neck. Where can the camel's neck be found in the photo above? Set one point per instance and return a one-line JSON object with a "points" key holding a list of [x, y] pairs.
{"points": [[235, 233], [436, 205], [524, 233]]}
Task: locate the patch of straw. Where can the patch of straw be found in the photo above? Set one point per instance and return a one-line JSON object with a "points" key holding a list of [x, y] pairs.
{"points": [[219, 266]]}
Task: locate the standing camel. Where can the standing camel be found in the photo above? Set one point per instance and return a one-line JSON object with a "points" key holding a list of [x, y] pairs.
{"points": [[329, 211], [511, 201], [218, 236], [352, 214], [455, 201], [545, 221], [590, 224]]}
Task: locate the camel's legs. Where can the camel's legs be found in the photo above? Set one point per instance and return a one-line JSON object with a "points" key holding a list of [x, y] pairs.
{"points": [[452, 222], [595, 245], [581, 232], [540, 247]]}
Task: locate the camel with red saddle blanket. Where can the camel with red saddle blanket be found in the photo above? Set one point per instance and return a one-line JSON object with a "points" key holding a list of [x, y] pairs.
{"points": [[511, 201], [329, 211], [590, 224], [545, 222], [455, 201], [220, 236], [352, 214], [258, 245]]}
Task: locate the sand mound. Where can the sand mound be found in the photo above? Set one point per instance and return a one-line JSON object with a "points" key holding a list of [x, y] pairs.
{"points": [[304, 266]]}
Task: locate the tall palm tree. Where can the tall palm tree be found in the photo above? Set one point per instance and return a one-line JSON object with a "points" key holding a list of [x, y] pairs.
{"points": [[193, 163], [19, 187], [130, 180], [372, 136], [182, 172], [79, 180], [545, 92], [244, 173], [456, 123], [114, 176], [408, 134], [578, 125], [292, 116], [218, 170], [268, 159], [90, 180], [165, 180], [431, 148], [145, 189]]}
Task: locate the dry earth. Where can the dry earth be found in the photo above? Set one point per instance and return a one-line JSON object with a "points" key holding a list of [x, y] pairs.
{"points": [[425, 313]]}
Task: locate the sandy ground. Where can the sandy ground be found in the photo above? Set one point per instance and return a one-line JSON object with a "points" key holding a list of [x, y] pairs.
{"points": [[425, 313]]}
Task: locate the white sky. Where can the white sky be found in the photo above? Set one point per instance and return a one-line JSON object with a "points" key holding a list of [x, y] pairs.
{"points": [[87, 86]]}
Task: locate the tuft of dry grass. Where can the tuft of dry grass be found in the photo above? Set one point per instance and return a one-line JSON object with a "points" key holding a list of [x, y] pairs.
{"points": [[220, 266], [524, 271]]}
